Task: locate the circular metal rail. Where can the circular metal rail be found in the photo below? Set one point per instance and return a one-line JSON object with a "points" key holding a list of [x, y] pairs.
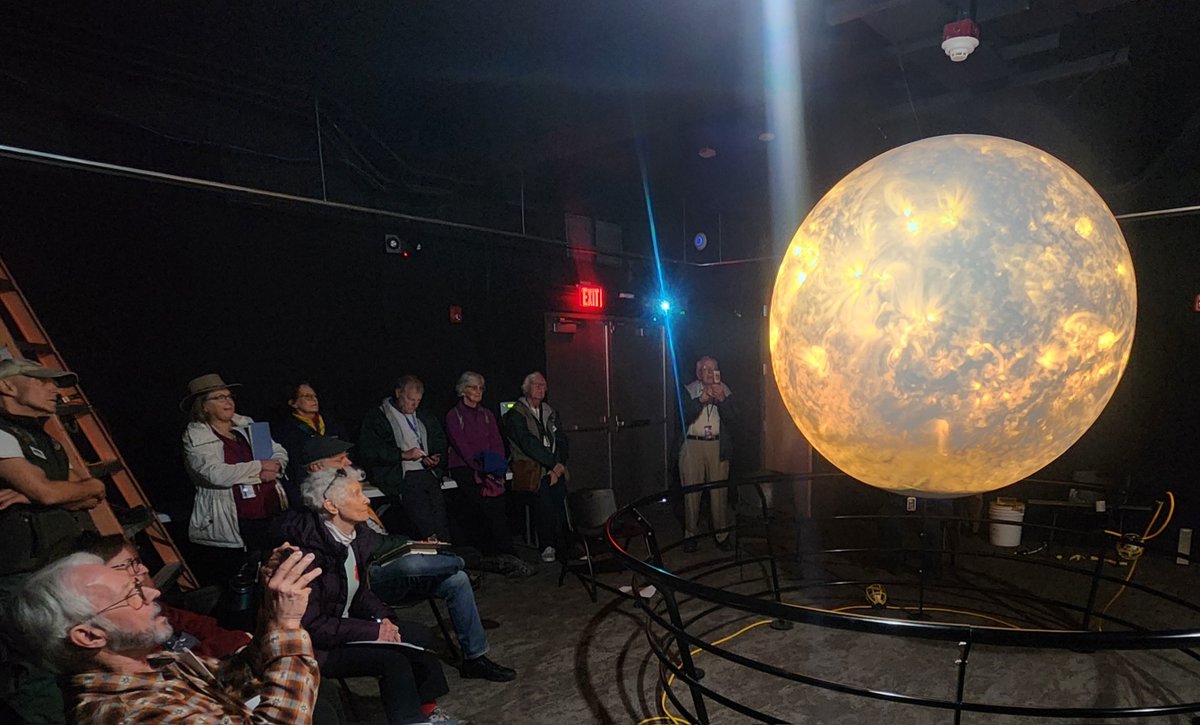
{"points": [[674, 645]]}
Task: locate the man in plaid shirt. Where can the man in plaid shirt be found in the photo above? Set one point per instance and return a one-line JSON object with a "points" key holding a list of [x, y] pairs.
{"points": [[91, 621]]}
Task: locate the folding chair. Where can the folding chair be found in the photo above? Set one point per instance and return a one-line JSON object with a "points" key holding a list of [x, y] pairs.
{"points": [[587, 512]]}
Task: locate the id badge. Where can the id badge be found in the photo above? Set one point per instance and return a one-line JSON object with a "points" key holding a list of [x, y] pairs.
{"points": [[247, 490], [708, 434]]}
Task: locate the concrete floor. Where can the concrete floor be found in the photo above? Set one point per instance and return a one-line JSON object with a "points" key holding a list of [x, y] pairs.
{"points": [[580, 662]]}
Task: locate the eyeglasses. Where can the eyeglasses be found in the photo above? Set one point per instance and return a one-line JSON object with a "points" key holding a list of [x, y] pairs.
{"points": [[222, 397], [135, 599], [342, 474], [129, 566], [349, 474]]}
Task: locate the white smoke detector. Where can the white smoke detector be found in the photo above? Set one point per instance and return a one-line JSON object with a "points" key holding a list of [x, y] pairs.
{"points": [[960, 39]]}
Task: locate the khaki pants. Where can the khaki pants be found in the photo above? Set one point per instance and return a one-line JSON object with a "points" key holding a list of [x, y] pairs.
{"points": [[700, 462]]}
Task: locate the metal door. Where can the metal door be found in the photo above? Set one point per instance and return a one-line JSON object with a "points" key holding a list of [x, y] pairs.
{"points": [[608, 379]]}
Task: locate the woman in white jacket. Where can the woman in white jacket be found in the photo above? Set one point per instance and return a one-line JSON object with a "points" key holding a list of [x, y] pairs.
{"points": [[237, 494]]}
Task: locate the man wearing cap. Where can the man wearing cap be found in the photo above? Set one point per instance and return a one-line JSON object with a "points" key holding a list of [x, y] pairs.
{"points": [[440, 575], [402, 450], [43, 508]]}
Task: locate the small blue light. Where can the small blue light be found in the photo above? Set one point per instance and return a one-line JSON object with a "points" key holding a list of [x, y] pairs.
{"points": [[665, 305]]}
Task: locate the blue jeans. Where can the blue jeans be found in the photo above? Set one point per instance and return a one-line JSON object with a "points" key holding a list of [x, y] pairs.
{"points": [[442, 576]]}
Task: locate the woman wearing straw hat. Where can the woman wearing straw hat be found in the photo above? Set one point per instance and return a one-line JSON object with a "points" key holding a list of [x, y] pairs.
{"points": [[236, 493]]}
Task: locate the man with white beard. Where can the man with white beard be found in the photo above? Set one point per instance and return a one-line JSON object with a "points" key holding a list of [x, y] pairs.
{"points": [[106, 630]]}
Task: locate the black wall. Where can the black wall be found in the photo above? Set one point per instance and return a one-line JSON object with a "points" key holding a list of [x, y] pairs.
{"points": [[143, 286]]}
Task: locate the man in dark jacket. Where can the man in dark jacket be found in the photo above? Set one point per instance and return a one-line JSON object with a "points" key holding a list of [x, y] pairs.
{"points": [[351, 628], [403, 451]]}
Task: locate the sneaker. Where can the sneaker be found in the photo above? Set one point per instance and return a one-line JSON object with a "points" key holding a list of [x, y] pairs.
{"points": [[481, 668], [548, 554]]}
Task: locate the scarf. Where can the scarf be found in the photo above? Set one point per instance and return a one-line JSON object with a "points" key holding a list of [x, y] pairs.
{"points": [[318, 426]]}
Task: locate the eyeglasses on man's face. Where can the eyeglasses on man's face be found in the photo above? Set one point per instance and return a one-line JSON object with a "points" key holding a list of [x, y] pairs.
{"points": [[135, 599], [130, 566]]}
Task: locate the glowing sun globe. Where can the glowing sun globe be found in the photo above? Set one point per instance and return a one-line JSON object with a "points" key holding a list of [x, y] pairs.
{"points": [[952, 316]]}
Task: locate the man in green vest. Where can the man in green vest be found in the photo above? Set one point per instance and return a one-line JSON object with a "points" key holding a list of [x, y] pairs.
{"points": [[43, 508]]}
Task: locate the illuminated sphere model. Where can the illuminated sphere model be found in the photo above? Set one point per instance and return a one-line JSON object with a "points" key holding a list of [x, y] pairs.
{"points": [[952, 316]]}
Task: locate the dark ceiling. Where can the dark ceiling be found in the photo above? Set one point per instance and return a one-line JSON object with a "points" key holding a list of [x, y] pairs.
{"points": [[508, 114]]}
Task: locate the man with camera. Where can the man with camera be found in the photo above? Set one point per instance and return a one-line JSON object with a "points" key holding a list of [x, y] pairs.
{"points": [[705, 452]]}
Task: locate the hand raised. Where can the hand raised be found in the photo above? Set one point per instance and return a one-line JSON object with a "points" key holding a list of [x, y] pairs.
{"points": [[287, 589]]}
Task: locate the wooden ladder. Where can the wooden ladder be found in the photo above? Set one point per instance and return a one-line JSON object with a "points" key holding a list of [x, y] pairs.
{"points": [[86, 440]]}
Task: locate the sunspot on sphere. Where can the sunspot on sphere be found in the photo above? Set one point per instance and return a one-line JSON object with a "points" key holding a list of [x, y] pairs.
{"points": [[986, 323]]}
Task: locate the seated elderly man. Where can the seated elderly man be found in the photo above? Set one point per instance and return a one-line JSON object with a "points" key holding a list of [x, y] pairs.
{"points": [[438, 574], [94, 622]]}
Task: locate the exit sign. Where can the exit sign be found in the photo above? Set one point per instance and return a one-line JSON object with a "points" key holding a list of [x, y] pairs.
{"points": [[591, 297]]}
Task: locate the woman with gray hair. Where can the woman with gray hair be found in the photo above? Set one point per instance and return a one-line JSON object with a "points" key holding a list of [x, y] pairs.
{"points": [[345, 619], [478, 465]]}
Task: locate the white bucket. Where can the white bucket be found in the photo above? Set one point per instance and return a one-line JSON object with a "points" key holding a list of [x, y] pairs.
{"points": [[1006, 510]]}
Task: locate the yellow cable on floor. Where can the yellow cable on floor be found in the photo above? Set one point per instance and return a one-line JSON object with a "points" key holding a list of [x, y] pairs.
{"points": [[667, 717], [1146, 536]]}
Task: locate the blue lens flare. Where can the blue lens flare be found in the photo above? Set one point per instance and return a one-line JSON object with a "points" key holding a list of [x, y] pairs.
{"points": [[665, 305]]}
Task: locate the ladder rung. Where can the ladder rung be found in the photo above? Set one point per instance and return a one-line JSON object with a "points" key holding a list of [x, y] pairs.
{"points": [[70, 410], [166, 575], [104, 468], [33, 349], [136, 520]]}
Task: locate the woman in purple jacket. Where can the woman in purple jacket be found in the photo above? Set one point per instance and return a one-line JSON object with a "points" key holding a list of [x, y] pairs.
{"points": [[351, 628], [478, 464]]}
